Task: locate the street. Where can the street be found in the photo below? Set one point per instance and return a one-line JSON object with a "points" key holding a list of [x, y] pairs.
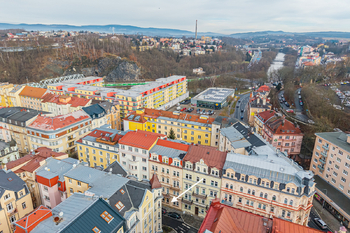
{"points": [[178, 225], [242, 105], [298, 110], [312, 223]]}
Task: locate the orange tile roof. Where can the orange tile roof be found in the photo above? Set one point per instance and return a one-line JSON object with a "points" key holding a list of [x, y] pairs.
{"points": [[263, 88], [283, 226], [34, 92], [174, 145], [30, 221], [265, 115], [18, 162], [155, 184], [140, 139], [308, 64], [211, 156], [275, 124], [58, 122], [74, 101]]}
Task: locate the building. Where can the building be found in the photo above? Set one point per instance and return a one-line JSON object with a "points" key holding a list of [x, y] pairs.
{"points": [[100, 148], [15, 200], [59, 133], [134, 149], [98, 115], [266, 182], [214, 98], [166, 160], [256, 105], [264, 88], [201, 163], [331, 164], [31, 97], [187, 127], [159, 94], [226, 217], [15, 99], [51, 181], [61, 104], [30, 221], [26, 166], [113, 112], [8, 152], [5, 100], [279, 132], [81, 213]]}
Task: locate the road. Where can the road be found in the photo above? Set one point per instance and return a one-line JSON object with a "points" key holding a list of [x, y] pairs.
{"points": [[178, 225], [242, 105], [312, 223], [298, 109]]}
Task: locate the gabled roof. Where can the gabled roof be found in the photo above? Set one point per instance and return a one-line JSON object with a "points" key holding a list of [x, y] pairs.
{"points": [[155, 184], [211, 156], [265, 115], [30, 221], [117, 169], [53, 168], [263, 88], [73, 101], [94, 111], [34, 92], [140, 139], [173, 145], [10, 181], [280, 125]]}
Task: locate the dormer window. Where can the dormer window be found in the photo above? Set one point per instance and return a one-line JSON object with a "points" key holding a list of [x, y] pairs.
{"points": [[107, 217]]}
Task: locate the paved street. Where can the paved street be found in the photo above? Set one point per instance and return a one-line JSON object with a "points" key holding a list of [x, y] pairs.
{"points": [[178, 225], [313, 224], [298, 109], [242, 105]]}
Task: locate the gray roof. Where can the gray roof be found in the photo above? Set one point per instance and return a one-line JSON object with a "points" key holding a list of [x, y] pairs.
{"points": [[169, 152], [81, 214], [337, 138], [224, 121], [117, 169], [235, 137], [214, 94], [10, 181], [54, 167]]}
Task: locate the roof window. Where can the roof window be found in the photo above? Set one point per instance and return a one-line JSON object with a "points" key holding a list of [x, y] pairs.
{"points": [[119, 205], [96, 230], [107, 217], [122, 191]]}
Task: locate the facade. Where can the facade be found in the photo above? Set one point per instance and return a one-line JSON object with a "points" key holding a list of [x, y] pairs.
{"points": [[204, 164], [187, 127], [281, 133], [267, 183], [26, 167], [166, 161], [227, 217], [8, 152], [31, 97], [98, 115], [15, 100], [59, 133], [159, 94], [331, 163], [258, 102], [15, 200], [134, 152], [113, 112], [100, 147], [214, 98], [5, 100], [61, 104], [51, 183]]}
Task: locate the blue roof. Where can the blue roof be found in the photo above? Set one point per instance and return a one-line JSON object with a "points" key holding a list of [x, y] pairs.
{"points": [[94, 111]]}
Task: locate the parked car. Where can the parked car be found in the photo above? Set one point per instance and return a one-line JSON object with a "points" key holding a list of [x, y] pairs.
{"points": [[203, 112], [290, 110], [174, 215], [299, 92], [301, 103], [242, 110], [281, 101], [198, 110], [286, 103], [241, 117], [183, 109], [190, 110], [320, 223], [163, 211], [299, 96], [237, 106]]}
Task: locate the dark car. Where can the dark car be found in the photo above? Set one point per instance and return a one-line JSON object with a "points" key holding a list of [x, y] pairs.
{"points": [[286, 103], [163, 211], [242, 110], [198, 110], [237, 106], [239, 101], [174, 215]]}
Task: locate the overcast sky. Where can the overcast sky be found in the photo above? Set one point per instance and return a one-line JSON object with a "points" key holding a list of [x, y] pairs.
{"points": [[223, 16]]}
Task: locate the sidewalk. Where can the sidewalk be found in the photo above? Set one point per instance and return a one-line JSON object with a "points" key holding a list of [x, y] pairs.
{"points": [[191, 220], [327, 217]]}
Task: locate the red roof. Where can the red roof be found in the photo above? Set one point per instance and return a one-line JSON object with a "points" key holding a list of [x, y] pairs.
{"points": [[103, 135], [173, 145], [263, 88], [223, 218], [211, 156], [18, 162], [155, 184], [279, 125], [58, 122], [30, 221], [73, 101], [140, 139], [34, 92], [265, 115]]}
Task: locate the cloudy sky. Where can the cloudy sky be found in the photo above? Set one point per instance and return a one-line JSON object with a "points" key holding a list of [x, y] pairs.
{"points": [[223, 16]]}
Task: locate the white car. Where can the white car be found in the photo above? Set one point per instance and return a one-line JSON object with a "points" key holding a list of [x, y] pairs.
{"points": [[320, 223]]}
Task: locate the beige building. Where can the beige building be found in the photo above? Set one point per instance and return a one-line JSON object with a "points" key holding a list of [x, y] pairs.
{"points": [[258, 103], [14, 95], [15, 200], [31, 97], [5, 100]]}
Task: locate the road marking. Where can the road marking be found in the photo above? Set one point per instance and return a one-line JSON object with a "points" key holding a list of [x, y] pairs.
{"points": [[186, 226]]}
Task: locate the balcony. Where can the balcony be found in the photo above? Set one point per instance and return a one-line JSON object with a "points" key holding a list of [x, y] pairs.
{"points": [[13, 211], [201, 204], [202, 196], [70, 138], [177, 188], [325, 147], [320, 167], [324, 154], [166, 194], [187, 201], [323, 161]]}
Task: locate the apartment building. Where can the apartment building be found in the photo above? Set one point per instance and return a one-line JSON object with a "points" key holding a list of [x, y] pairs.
{"points": [[31, 97], [51, 182], [100, 147], [134, 149], [14, 199], [59, 133], [15, 100], [99, 115], [113, 112], [79, 213], [26, 166], [187, 127], [166, 161], [161, 93], [61, 104], [266, 182], [331, 164], [204, 164], [258, 103], [279, 132], [8, 152], [5, 100]]}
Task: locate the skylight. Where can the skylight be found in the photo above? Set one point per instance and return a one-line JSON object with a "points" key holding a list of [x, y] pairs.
{"points": [[96, 230], [119, 205], [107, 217]]}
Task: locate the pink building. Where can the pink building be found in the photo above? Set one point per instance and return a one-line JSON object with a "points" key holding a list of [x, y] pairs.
{"points": [[51, 182]]}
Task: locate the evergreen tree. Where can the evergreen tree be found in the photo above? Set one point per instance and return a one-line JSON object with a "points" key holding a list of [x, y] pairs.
{"points": [[171, 134]]}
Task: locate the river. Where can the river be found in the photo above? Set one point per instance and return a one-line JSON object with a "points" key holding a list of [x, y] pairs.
{"points": [[276, 64]]}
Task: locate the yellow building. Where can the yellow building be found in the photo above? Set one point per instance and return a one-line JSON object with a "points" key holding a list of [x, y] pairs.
{"points": [[100, 147], [187, 127], [201, 164], [15, 99], [5, 99], [15, 200]]}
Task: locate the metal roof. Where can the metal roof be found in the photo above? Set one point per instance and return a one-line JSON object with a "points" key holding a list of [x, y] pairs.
{"points": [[10, 181], [214, 94], [54, 167], [168, 152], [336, 138]]}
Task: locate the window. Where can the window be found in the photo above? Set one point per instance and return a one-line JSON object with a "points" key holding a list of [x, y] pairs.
{"points": [[261, 194], [265, 196], [107, 217], [13, 219], [283, 213], [241, 189], [272, 209], [333, 180], [119, 205], [96, 230], [9, 206], [21, 193], [79, 183], [274, 198], [239, 200], [291, 202], [343, 179], [71, 190], [249, 191], [285, 201]]}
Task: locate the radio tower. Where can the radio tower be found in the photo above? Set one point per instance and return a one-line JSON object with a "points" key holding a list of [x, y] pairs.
{"points": [[196, 31]]}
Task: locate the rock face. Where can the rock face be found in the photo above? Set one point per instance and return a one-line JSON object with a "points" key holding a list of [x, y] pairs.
{"points": [[125, 71]]}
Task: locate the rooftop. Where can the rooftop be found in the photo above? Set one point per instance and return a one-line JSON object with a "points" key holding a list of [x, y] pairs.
{"points": [[215, 94], [140, 139], [34, 92], [336, 138], [265, 115], [263, 88], [210, 155], [279, 125], [54, 167], [30, 221], [57, 99], [10, 181]]}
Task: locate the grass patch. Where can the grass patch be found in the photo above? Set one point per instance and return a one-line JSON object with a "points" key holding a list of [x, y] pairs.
{"points": [[166, 229]]}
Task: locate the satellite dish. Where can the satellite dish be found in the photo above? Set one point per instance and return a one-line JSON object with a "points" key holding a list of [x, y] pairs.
{"points": [[60, 214]]}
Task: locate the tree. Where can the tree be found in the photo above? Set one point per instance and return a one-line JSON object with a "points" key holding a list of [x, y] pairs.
{"points": [[171, 134], [279, 86]]}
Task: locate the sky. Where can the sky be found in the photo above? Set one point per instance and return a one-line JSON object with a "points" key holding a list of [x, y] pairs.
{"points": [[220, 16]]}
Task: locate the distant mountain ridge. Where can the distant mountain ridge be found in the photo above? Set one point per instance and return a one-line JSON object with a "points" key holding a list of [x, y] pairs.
{"points": [[151, 31]]}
